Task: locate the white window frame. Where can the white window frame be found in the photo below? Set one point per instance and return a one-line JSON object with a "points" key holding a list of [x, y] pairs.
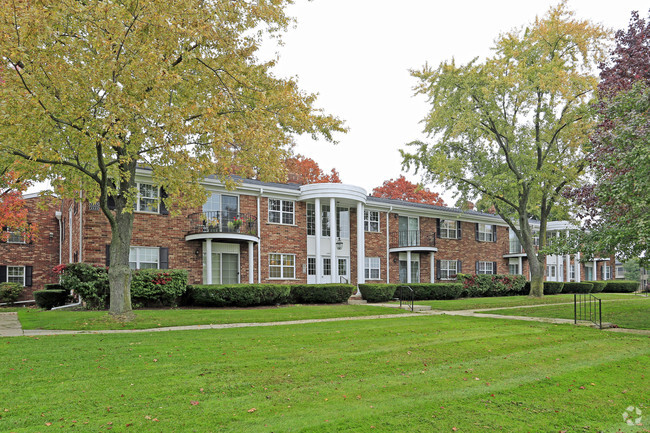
{"points": [[551, 271], [283, 267], [15, 237], [516, 267], [446, 231], [446, 269], [311, 266], [139, 198], [281, 212], [327, 266], [485, 268], [372, 268], [311, 219], [14, 280], [620, 270], [485, 232], [607, 272], [572, 272], [371, 221], [140, 259]]}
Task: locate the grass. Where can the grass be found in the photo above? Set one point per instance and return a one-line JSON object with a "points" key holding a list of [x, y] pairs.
{"points": [[633, 312], [417, 374], [32, 318], [509, 301]]}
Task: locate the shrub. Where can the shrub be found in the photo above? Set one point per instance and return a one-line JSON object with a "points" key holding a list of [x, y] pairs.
{"points": [[50, 298], [88, 281], [158, 286], [321, 293], [553, 287], [434, 291], [571, 287], [238, 295], [599, 286], [622, 286], [54, 287], [377, 292], [491, 284], [10, 292]]}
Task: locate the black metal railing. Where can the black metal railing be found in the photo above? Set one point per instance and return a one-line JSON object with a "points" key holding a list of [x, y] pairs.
{"points": [[412, 238], [406, 296], [587, 307], [222, 222]]}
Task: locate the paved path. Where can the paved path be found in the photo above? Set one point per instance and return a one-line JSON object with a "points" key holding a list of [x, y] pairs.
{"points": [[10, 325]]}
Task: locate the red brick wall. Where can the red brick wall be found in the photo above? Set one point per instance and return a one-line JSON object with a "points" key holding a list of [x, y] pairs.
{"points": [[375, 246], [43, 253]]}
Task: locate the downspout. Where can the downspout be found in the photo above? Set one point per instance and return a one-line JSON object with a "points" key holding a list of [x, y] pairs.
{"points": [[259, 242], [388, 245]]}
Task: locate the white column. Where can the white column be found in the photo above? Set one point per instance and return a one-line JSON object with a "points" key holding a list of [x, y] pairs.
{"points": [[408, 267], [259, 242], [361, 245], [567, 261], [251, 266], [433, 267], [387, 248], [521, 266], [208, 260], [576, 263], [319, 232], [334, 265], [594, 272]]}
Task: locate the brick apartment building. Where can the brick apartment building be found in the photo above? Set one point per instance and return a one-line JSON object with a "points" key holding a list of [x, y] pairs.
{"points": [[264, 232]]}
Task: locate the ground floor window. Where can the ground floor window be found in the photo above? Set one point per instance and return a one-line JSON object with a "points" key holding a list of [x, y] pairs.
{"points": [[572, 272], [403, 268], [448, 269], [311, 265], [343, 267], [143, 258], [607, 272], [16, 274], [372, 268], [282, 266], [485, 268], [513, 269], [551, 271], [327, 266]]}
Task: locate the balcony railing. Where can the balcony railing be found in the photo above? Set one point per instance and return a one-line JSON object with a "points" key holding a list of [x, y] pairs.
{"points": [[515, 247], [412, 238], [222, 222]]}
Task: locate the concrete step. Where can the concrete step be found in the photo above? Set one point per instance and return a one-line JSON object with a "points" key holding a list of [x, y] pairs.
{"points": [[356, 301]]}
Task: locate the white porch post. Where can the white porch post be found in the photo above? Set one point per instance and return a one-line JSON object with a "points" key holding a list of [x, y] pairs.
{"points": [[567, 261], [594, 273], [361, 245], [319, 232], [408, 267], [387, 248], [251, 267], [521, 266], [333, 265], [433, 267], [576, 263], [208, 260]]}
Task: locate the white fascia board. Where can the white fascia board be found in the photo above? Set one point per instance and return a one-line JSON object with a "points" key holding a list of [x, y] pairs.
{"points": [[436, 213]]}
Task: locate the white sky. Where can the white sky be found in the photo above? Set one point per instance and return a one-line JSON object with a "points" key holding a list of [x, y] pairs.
{"points": [[356, 55]]}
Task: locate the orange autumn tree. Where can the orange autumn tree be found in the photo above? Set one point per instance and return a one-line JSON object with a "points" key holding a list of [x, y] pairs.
{"points": [[402, 189], [303, 170], [13, 212]]}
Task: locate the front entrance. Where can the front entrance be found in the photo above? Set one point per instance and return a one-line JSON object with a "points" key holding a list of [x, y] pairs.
{"points": [[225, 264], [403, 268]]}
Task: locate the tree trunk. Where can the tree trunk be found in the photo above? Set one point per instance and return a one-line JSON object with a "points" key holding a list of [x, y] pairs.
{"points": [[119, 273], [536, 279]]}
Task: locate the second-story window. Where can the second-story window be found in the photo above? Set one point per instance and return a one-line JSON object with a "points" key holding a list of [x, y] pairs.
{"points": [[281, 211], [371, 221], [449, 229], [311, 219], [148, 199], [486, 232]]}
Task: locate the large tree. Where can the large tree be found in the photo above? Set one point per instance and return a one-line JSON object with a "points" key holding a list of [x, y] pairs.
{"points": [[95, 88], [303, 170], [616, 205], [13, 209], [402, 189], [513, 128]]}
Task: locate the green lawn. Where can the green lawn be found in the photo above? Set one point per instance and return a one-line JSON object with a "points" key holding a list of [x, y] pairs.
{"points": [[417, 374], [633, 312], [32, 318], [510, 301]]}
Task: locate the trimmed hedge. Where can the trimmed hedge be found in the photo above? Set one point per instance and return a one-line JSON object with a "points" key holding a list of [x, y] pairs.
{"points": [[622, 286], [377, 292], [156, 287], [55, 286], [48, 299], [492, 284], [10, 292], [599, 286], [434, 291], [553, 287], [572, 287], [238, 295], [321, 293]]}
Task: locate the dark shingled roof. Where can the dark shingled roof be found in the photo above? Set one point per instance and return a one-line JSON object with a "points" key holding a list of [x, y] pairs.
{"points": [[391, 201]]}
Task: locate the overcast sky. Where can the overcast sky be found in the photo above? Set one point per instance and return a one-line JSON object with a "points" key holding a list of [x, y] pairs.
{"points": [[356, 54]]}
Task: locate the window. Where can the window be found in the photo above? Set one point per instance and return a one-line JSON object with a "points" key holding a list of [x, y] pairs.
{"points": [[513, 269], [311, 265], [607, 272], [572, 272], [15, 237], [448, 269], [325, 220], [550, 271], [485, 232], [16, 274], [372, 270], [327, 266], [282, 266], [343, 222], [409, 231], [485, 268], [281, 211], [343, 267], [371, 221], [449, 229], [311, 219], [148, 199], [620, 270], [144, 258]]}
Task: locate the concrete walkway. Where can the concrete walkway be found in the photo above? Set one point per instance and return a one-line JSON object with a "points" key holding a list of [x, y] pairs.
{"points": [[10, 325]]}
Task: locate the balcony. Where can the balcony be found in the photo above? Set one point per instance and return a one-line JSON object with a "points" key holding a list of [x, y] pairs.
{"points": [[222, 225], [515, 247], [412, 240]]}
